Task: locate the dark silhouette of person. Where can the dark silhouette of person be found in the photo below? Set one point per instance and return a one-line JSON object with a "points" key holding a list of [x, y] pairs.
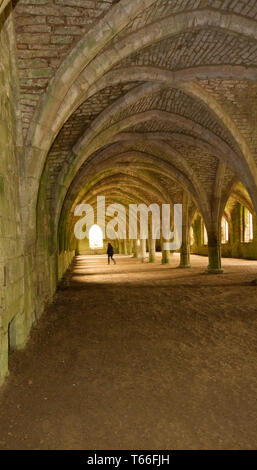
{"points": [[110, 253]]}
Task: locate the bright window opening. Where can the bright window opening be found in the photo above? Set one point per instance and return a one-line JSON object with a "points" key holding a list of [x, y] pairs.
{"points": [[191, 236], [95, 237], [205, 236], [248, 225], [224, 230]]}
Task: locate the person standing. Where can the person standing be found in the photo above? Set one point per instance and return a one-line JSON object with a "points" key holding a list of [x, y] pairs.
{"points": [[110, 253]]}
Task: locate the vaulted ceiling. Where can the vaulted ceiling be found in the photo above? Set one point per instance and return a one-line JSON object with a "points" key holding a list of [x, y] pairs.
{"points": [[138, 100]]}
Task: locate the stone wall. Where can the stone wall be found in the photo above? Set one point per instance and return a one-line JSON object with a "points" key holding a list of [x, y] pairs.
{"points": [[28, 275], [11, 250], [83, 248]]}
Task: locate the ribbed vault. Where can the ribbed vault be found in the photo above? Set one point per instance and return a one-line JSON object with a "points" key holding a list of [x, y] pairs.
{"points": [[140, 101]]}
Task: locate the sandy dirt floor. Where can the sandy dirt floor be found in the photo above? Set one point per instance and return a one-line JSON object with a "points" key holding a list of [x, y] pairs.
{"points": [[139, 356]]}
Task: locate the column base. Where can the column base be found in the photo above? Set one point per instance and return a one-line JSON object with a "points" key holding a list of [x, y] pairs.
{"points": [[152, 259], [184, 266], [214, 271]]}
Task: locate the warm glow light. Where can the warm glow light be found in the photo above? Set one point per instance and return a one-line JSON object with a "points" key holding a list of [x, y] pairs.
{"points": [[191, 236], [205, 236], [251, 225], [248, 225], [95, 237], [224, 230]]}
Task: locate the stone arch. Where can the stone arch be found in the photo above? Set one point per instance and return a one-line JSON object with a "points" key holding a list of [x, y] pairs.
{"points": [[109, 135], [171, 78], [190, 185], [151, 88], [142, 191], [3, 5], [41, 134], [53, 111]]}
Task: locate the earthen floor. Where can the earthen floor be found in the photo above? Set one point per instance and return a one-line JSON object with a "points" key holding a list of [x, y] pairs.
{"points": [[139, 356]]}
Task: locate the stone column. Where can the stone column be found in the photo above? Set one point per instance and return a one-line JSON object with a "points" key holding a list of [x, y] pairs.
{"points": [[185, 257], [142, 250], [152, 246], [125, 249], [130, 247], [214, 251], [185, 247], [165, 256], [135, 249], [116, 246]]}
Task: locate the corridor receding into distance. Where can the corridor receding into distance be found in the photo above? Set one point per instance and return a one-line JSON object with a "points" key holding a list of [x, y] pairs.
{"points": [[114, 113]]}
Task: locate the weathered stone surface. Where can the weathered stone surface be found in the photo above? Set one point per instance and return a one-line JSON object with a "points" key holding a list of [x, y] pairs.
{"points": [[49, 29], [11, 259], [142, 103]]}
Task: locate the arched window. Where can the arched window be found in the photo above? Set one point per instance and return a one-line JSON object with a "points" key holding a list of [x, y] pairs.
{"points": [[95, 237], [247, 225], [191, 236], [205, 236], [224, 231]]}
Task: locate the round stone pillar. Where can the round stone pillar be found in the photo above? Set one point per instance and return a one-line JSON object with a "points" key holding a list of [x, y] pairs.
{"points": [[214, 252], [142, 250], [166, 257], [185, 247], [125, 250], [136, 248], [152, 247], [130, 247], [185, 256]]}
